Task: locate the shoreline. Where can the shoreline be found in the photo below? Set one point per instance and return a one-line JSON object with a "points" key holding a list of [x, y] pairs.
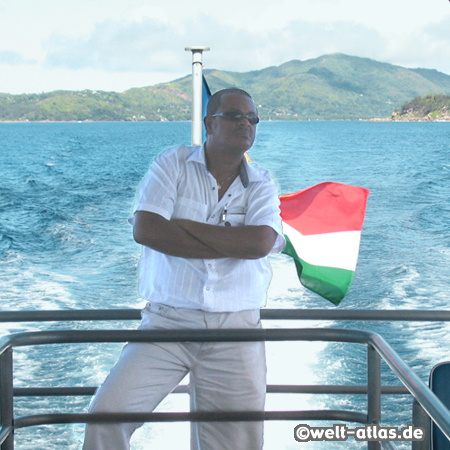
{"points": [[416, 119], [374, 119]]}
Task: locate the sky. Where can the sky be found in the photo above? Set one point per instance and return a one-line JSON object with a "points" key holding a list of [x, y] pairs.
{"points": [[115, 45]]}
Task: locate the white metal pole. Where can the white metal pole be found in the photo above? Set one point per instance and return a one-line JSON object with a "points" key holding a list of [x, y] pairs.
{"points": [[197, 67]]}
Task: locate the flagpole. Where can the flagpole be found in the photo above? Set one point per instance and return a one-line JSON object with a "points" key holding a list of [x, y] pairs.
{"points": [[197, 67]]}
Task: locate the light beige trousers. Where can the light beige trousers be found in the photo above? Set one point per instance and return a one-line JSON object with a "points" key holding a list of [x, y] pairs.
{"points": [[224, 376]]}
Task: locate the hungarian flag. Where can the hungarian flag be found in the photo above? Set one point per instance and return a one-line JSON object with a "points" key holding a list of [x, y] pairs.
{"points": [[322, 226]]}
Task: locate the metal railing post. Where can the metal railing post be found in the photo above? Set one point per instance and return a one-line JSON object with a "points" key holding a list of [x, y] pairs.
{"points": [[373, 391], [6, 397], [421, 419]]}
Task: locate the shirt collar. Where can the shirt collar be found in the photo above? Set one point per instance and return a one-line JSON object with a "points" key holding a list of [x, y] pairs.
{"points": [[248, 173]]}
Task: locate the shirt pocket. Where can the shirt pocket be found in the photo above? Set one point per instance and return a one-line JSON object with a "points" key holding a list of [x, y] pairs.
{"points": [[187, 208], [235, 217]]}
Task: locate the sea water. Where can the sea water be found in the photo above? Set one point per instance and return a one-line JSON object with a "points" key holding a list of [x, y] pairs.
{"points": [[66, 191]]}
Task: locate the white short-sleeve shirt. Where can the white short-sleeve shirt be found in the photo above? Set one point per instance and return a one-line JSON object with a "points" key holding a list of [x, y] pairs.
{"points": [[179, 186]]}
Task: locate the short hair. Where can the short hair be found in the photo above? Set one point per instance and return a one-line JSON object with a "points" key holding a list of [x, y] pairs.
{"points": [[214, 101]]}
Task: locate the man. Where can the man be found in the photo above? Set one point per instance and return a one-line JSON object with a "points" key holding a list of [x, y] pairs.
{"points": [[206, 220]]}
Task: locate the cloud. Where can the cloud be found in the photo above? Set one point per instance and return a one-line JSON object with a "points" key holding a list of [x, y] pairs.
{"points": [[12, 58], [426, 47], [304, 40], [439, 30], [119, 47], [153, 46], [150, 45]]}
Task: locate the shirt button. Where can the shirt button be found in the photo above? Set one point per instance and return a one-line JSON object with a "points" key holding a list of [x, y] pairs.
{"points": [[213, 188], [213, 216], [207, 288], [209, 265]]}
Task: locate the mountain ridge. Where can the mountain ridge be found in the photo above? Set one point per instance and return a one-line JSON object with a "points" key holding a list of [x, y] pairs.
{"points": [[330, 87]]}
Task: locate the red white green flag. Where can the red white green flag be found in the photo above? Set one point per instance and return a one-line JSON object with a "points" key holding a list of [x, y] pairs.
{"points": [[322, 226]]}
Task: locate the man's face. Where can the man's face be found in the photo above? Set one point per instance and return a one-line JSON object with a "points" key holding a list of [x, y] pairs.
{"points": [[230, 134]]}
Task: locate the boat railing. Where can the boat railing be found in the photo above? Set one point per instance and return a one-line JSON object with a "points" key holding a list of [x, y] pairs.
{"points": [[377, 349]]}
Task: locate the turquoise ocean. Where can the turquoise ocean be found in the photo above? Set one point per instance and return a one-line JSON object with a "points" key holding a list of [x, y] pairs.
{"points": [[66, 190]]}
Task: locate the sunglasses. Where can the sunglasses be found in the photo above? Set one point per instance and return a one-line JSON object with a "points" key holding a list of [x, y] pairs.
{"points": [[237, 117]]}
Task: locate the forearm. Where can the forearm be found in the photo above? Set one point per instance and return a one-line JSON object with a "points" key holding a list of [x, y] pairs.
{"points": [[242, 242], [168, 237]]}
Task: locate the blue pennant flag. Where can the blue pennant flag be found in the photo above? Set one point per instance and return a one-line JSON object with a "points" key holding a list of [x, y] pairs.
{"points": [[206, 94]]}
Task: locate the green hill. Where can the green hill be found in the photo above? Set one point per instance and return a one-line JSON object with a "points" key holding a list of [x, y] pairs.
{"points": [[430, 107], [330, 87]]}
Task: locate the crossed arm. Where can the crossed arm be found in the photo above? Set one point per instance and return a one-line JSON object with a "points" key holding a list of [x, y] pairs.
{"points": [[189, 239]]}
